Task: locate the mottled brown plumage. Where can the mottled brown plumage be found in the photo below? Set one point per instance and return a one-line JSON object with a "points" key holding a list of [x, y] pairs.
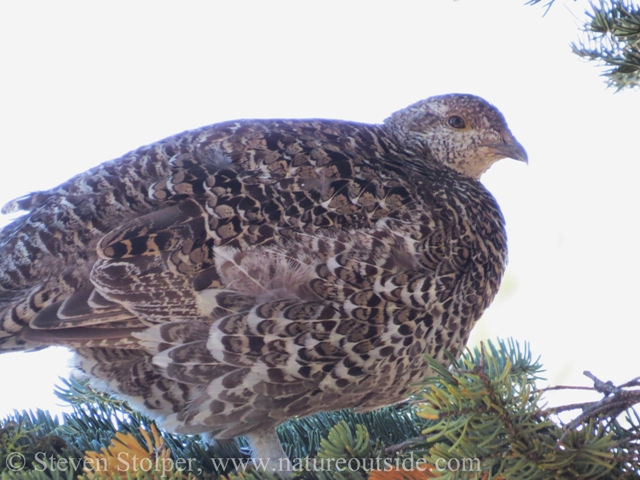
{"points": [[228, 278]]}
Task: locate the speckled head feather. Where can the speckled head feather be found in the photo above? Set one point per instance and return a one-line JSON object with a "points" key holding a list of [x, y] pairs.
{"points": [[231, 277], [461, 131]]}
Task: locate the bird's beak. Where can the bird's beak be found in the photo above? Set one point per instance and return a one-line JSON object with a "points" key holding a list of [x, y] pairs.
{"points": [[512, 149]]}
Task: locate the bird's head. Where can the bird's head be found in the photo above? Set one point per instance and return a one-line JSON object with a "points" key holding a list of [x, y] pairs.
{"points": [[461, 131]]}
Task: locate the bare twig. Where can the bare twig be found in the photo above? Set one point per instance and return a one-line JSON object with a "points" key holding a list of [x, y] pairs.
{"points": [[392, 449], [560, 387], [617, 399], [603, 387], [632, 383]]}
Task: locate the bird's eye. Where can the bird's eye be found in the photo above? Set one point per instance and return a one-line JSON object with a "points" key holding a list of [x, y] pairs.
{"points": [[456, 121]]}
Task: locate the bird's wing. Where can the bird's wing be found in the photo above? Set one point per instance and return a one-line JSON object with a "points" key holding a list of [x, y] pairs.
{"points": [[241, 272], [274, 331]]}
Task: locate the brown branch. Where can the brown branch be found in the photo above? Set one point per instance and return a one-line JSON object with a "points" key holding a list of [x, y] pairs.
{"points": [[392, 449], [560, 387], [616, 400]]}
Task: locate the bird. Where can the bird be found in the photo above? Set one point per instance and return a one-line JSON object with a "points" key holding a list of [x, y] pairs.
{"points": [[228, 278]]}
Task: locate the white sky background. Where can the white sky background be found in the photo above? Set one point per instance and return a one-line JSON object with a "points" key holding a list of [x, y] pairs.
{"points": [[82, 83]]}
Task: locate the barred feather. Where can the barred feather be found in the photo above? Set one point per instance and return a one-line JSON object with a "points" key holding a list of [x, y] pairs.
{"points": [[231, 277]]}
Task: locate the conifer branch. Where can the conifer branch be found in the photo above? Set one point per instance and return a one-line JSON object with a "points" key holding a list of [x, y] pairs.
{"points": [[611, 39], [485, 407]]}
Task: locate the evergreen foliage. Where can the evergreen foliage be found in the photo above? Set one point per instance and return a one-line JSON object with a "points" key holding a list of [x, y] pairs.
{"points": [[612, 39], [487, 408], [482, 418]]}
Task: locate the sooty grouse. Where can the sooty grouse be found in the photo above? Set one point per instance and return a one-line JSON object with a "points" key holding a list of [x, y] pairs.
{"points": [[228, 278]]}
